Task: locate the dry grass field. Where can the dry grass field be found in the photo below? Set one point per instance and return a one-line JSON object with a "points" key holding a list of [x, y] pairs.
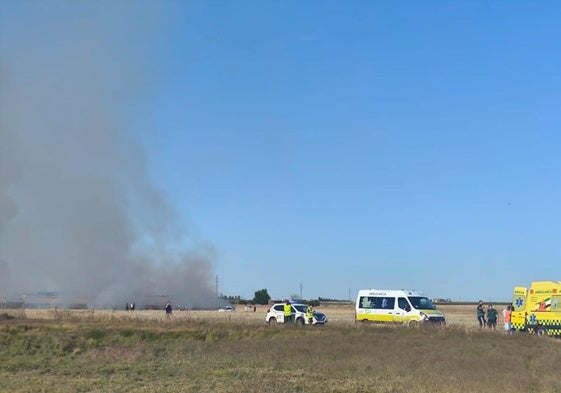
{"points": [[211, 351], [340, 315]]}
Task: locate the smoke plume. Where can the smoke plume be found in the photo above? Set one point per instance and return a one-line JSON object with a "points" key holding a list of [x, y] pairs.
{"points": [[78, 213]]}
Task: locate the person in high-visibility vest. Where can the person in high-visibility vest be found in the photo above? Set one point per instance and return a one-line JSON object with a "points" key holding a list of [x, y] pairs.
{"points": [[310, 314], [287, 312]]}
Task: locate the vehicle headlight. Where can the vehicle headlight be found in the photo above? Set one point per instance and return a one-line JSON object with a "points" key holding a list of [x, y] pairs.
{"points": [[320, 317], [424, 316]]}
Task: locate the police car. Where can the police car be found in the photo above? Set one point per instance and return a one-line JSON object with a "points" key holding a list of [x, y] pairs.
{"points": [[276, 314]]}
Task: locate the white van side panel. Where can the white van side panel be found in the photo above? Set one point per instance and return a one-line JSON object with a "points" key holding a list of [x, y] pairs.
{"points": [[387, 306]]}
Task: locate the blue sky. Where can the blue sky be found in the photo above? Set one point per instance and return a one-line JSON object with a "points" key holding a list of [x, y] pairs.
{"points": [[327, 147]]}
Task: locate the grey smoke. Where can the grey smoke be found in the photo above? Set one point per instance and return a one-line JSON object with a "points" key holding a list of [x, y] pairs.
{"points": [[78, 213]]}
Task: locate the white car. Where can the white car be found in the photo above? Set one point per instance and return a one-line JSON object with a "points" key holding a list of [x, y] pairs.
{"points": [[276, 314]]}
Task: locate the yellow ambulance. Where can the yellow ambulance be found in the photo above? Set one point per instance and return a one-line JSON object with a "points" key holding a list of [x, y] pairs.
{"points": [[396, 306], [537, 310]]}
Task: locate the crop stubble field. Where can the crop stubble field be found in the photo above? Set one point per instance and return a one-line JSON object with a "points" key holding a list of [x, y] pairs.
{"points": [[460, 315], [211, 351]]}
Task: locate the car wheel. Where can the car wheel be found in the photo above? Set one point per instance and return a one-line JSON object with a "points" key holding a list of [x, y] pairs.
{"points": [[300, 321], [413, 323], [272, 321], [540, 331]]}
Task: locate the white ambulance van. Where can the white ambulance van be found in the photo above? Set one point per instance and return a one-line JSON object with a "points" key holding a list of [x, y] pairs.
{"points": [[396, 306]]}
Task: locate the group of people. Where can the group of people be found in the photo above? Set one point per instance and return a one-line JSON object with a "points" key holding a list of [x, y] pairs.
{"points": [[488, 317]]}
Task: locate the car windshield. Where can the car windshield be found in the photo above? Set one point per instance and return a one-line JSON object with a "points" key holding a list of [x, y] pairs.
{"points": [[421, 303], [300, 307]]}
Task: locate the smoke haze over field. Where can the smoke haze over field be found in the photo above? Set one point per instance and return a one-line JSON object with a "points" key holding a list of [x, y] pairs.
{"points": [[78, 213]]}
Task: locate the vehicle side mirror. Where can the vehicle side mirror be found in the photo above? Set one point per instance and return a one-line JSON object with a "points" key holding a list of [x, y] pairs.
{"points": [[407, 308]]}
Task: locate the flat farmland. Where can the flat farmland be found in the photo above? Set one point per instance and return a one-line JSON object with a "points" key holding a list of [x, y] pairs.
{"points": [[212, 351], [338, 314]]}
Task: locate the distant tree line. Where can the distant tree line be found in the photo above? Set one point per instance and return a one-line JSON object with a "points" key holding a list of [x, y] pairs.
{"points": [[325, 299], [262, 297]]}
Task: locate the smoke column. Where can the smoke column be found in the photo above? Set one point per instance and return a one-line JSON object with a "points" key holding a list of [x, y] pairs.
{"points": [[78, 214]]}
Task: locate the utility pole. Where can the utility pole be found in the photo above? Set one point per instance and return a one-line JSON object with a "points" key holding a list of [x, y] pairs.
{"points": [[217, 298]]}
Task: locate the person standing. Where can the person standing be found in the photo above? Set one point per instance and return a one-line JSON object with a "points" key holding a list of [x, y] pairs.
{"points": [[310, 314], [492, 317], [481, 314], [168, 310], [507, 314], [287, 312]]}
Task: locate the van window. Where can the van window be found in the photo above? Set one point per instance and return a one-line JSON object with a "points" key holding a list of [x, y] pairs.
{"points": [[403, 303], [382, 303], [555, 303], [421, 303], [366, 302], [385, 303]]}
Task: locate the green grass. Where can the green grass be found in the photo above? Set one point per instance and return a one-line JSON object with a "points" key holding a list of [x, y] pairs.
{"points": [[210, 356]]}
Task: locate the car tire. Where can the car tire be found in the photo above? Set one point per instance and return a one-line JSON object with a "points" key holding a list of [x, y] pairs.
{"points": [[540, 331], [272, 321], [300, 321], [413, 323]]}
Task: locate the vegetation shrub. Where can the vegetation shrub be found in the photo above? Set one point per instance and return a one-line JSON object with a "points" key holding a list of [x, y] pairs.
{"points": [[95, 334]]}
